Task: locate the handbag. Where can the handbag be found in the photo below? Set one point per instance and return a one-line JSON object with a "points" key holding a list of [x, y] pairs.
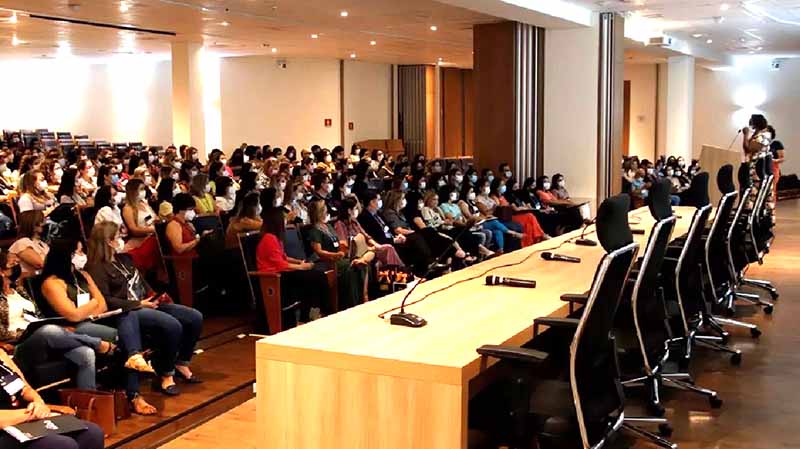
{"points": [[91, 405], [122, 408]]}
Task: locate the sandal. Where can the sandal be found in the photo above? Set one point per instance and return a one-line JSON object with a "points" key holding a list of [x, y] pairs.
{"points": [[171, 390], [137, 362], [141, 407], [189, 380], [110, 350]]}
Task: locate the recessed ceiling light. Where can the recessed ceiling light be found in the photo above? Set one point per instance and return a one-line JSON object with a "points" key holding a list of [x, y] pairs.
{"points": [[15, 41], [724, 7], [352, 56], [759, 48], [204, 9], [710, 41], [315, 36], [224, 24], [274, 50], [697, 35], [373, 43], [13, 18], [344, 14], [440, 59], [434, 28], [124, 7]]}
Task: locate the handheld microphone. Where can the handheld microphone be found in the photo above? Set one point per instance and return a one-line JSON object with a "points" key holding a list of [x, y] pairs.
{"points": [[403, 318], [510, 282], [584, 241], [560, 257]]}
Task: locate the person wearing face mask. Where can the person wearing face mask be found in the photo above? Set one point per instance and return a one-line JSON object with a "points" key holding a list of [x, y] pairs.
{"points": [[434, 216], [70, 292], [205, 204], [488, 175], [474, 210], [450, 207], [436, 168], [247, 219], [29, 248], [175, 328], [85, 179], [47, 341], [297, 204], [349, 227], [505, 171], [323, 190], [225, 194], [167, 189], [455, 178], [34, 194], [524, 217], [326, 245], [108, 208], [140, 219]]}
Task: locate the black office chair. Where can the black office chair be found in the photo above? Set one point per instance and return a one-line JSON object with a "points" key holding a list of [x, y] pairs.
{"points": [[587, 409], [697, 193]]}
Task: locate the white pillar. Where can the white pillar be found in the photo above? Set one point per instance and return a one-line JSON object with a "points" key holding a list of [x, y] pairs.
{"points": [[188, 121], [680, 106]]}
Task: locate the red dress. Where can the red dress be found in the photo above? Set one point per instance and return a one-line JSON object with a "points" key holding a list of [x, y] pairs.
{"points": [[187, 235], [270, 257], [531, 230]]}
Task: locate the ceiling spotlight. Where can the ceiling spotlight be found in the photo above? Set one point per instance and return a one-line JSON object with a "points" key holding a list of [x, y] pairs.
{"points": [[434, 28], [204, 9], [274, 50], [224, 24], [710, 41], [13, 18], [352, 56], [15, 41], [724, 7], [344, 14], [719, 19], [440, 59], [315, 36], [124, 7], [759, 48], [697, 35], [373, 43]]}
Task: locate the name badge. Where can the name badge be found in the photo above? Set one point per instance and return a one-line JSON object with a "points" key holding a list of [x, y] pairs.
{"points": [[386, 229], [336, 244], [83, 298], [12, 384]]}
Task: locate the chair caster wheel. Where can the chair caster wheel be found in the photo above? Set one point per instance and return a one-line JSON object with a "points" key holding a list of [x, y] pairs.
{"points": [[774, 295], [768, 310], [736, 359], [725, 338], [755, 332], [715, 402], [730, 312], [665, 430], [656, 410]]}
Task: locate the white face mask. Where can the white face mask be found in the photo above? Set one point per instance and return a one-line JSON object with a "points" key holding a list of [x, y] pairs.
{"points": [[422, 185], [329, 187], [490, 178], [118, 245], [459, 178], [176, 191], [471, 196], [442, 183], [223, 161], [508, 173], [119, 198], [58, 173], [350, 182], [91, 172], [208, 188], [328, 159], [420, 205], [148, 180], [473, 178], [142, 195], [486, 190], [231, 192], [79, 261], [546, 186], [347, 191], [453, 197], [403, 204], [278, 202], [246, 158], [380, 204], [175, 176], [354, 214], [327, 218], [282, 184], [42, 185], [193, 173], [190, 215]]}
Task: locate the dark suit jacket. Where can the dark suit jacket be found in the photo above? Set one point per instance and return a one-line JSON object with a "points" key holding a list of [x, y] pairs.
{"points": [[373, 227]]}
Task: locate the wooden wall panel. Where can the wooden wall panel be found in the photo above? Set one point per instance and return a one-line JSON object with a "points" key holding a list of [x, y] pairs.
{"points": [[469, 112], [430, 112], [495, 114], [452, 112]]}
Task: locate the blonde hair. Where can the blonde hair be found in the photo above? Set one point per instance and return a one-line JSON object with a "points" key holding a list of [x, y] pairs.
{"points": [[393, 200], [98, 250], [316, 211]]}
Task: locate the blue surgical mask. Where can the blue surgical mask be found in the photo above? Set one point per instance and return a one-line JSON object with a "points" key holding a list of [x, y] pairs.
{"points": [[502, 190], [114, 179], [473, 178], [490, 178]]}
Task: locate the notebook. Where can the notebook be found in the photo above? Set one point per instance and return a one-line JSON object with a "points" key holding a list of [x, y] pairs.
{"points": [[33, 430]]}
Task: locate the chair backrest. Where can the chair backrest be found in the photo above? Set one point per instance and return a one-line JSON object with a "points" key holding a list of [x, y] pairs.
{"points": [[697, 194], [594, 372], [613, 229], [725, 179], [659, 201], [161, 237], [207, 223], [248, 245], [691, 299], [293, 244], [649, 315], [717, 241]]}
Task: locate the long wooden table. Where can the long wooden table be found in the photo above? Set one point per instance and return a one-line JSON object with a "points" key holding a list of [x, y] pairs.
{"points": [[353, 381]]}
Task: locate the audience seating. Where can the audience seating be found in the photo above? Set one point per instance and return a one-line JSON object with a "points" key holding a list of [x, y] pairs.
{"points": [[178, 268]]}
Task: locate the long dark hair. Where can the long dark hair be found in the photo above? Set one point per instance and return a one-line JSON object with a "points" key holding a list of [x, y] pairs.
{"points": [[103, 197], [273, 223], [58, 262], [67, 186]]}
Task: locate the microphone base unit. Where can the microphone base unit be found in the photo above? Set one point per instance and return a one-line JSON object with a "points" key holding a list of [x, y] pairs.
{"points": [[407, 319], [585, 242]]}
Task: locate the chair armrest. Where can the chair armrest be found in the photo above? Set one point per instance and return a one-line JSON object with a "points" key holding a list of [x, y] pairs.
{"points": [[180, 257], [264, 274], [513, 353], [671, 259], [579, 298], [562, 323]]}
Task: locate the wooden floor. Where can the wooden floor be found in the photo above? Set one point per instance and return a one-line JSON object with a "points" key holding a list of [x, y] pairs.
{"points": [[227, 367], [761, 407]]}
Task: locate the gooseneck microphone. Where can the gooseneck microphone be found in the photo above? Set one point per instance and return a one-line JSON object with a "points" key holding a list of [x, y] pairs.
{"points": [[734, 139], [510, 282], [584, 241], [560, 257]]}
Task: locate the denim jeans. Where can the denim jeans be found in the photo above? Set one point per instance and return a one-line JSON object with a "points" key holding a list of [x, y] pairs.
{"points": [[108, 333], [175, 329], [77, 348], [498, 230]]}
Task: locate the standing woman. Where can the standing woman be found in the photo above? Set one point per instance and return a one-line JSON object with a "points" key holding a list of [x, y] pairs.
{"points": [[778, 156], [327, 246], [139, 218], [756, 144]]}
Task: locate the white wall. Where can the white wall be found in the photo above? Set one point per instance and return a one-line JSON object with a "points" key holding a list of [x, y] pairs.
{"points": [[644, 80], [122, 101], [725, 101], [264, 104], [367, 101], [570, 108], [680, 106]]}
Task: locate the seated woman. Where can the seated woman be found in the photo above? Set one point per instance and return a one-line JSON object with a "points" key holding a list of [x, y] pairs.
{"points": [[140, 219], [469, 208], [248, 219], [67, 194], [439, 243], [225, 194], [299, 280], [25, 404], [167, 189], [551, 220], [201, 192], [85, 179], [489, 200], [47, 341], [174, 328], [327, 246], [71, 293], [348, 227], [29, 248], [559, 190], [451, 212], [107, 208], [435, 218], [34, 194], [570, 211]]}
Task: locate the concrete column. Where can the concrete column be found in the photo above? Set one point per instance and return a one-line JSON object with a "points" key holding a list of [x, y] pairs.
{"points": [[680, 106], [188, 121]]}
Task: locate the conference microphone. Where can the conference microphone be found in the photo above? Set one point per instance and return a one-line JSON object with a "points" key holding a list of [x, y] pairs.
{"points": [[584, 241], [510, 282], [560, 257], [734, 139]]}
